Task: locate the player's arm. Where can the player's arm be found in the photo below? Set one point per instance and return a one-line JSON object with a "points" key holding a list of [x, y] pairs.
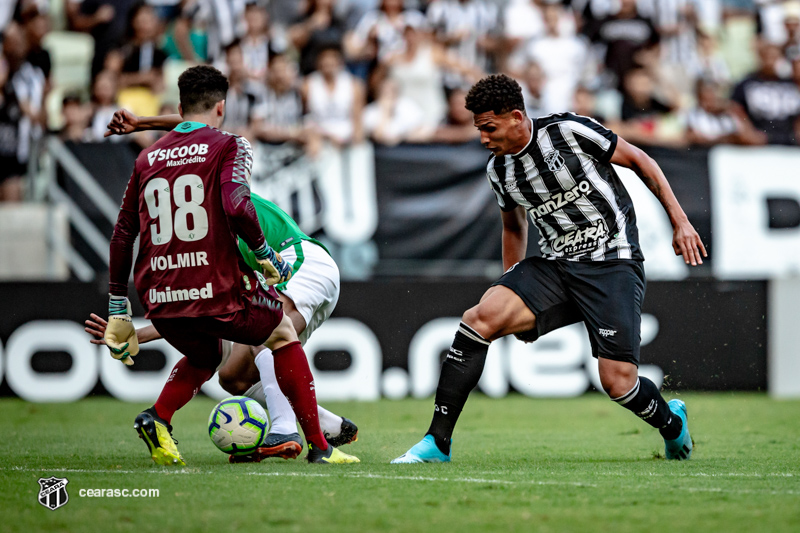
{"points": [[96, 327], [515, 236], [685, 240], [120, 335], [124, 122], [237, 164]]}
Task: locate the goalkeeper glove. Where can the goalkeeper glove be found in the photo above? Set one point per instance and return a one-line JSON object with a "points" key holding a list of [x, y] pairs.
{"points": [[120, 334], [274, 268]]}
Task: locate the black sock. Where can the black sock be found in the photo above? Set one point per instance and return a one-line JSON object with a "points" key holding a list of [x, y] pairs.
{"points": [[461, 371], [646, 402]]}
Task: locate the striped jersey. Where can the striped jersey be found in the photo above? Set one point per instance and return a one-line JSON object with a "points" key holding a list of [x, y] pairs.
{"points": [[564, 180]]}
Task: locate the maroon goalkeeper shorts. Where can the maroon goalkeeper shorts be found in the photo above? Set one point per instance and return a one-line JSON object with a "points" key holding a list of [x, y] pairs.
{"points": [[200, 338]]}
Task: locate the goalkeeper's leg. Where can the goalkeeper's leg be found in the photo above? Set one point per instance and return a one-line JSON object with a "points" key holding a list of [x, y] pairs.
{"points": [[188, 375]]}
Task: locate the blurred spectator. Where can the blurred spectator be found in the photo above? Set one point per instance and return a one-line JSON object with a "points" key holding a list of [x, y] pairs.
{"points": [[769, 101], [796, 79], [712, 121], [791, 23], [12, 168], [678, 25], [642, 113], [585, 103], [142, 59], [319, 27], [223, 21], [7, 10], [533, 81], [256, 42], [75, 116], [418, 71], [623, 35], [166, 10], [467, 29], [670, 88], [770, 21], [590, 12], [392, 118], [379, 33], [710, 64], [523, 20], [458, 126], [104, 103], [245, 96], [28, 85], [334, 99], [106, 20], [562, 58], [284, 12], [639, 101], [37, 24], [281, 119]]}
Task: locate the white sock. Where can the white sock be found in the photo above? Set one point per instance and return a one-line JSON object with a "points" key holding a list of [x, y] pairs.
{"points": [[282, 419], [330, 423], [256, 392]]}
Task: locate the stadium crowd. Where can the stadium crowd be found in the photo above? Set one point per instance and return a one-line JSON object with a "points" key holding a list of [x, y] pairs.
{"points": [[659, 72]]}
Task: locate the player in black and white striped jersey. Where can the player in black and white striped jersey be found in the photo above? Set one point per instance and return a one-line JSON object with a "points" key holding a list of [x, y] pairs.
{"points": [[557, 170], [571, 193]]}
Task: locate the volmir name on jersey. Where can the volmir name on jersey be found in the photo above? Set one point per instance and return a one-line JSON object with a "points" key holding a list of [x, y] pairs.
{"points": [[169, 262], [180, 155]]}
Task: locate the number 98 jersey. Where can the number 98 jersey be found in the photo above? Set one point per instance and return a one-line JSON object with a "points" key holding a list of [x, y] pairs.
{"points": [[189, 264]]}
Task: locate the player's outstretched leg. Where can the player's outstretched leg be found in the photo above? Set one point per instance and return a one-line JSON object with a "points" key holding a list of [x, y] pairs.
{"points": [[153, 424], [339, 434], [679, 448], [283, 424], [646, 402], [157, 434], [461, 371], [297, 383], [283, 439]]}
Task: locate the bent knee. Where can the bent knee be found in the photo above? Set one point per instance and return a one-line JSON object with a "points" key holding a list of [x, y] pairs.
{"points": [[617, 378], [485, 323], [232, 383]]}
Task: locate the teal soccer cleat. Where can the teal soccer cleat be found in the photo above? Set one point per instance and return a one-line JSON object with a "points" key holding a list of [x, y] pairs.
{"points": [[425, 451], [681, 448]]}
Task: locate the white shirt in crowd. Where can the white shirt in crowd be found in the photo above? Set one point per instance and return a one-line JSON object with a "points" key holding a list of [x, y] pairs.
{"points": [[388, 34], [332, 110]]}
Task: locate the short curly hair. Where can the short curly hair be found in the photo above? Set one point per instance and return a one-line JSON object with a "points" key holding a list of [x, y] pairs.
{"points": [[498, 93], [200, 88]]}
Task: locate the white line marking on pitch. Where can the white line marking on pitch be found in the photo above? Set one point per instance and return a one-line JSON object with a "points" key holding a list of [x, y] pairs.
{"points": [[423, 478], [366, 475], [306, 474]]}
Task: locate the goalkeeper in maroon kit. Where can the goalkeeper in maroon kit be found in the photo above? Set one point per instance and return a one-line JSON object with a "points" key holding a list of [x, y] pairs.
{"points": [[188, 199]]}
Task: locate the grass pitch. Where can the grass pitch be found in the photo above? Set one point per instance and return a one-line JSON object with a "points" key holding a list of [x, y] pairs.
{"points": [[520, 464]]}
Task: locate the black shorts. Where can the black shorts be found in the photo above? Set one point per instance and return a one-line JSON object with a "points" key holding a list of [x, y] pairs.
{"points": [[606, 295]]}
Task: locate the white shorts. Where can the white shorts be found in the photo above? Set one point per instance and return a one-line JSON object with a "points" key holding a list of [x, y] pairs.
{"points": [[314, 288]]}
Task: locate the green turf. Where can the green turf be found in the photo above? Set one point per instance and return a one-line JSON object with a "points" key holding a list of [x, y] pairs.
{"points": [[519, 465]]}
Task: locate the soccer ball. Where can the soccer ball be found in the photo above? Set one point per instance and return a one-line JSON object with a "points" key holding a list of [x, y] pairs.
{"points": [[238, 425]]}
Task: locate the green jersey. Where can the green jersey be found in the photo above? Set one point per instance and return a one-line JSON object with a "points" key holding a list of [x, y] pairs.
{"points": [[280, 231]]}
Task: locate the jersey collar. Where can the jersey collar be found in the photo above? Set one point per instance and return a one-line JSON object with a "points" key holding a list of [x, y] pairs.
{"points": [[188, 126], [525, 148]]}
